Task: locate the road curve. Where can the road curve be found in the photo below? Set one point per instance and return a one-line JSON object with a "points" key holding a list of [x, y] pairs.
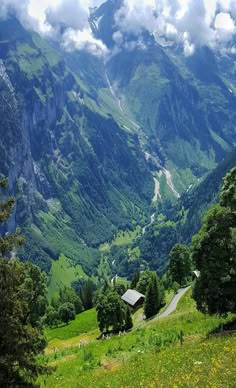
{"points": [[173, 304]]}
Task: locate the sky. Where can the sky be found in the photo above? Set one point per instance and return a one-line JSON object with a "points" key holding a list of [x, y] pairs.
{"points": [[190, 23]]}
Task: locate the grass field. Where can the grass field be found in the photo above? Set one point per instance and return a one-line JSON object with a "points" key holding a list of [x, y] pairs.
{"points": [[122, 238], [83, 323], [149, 356], [62, 273]]}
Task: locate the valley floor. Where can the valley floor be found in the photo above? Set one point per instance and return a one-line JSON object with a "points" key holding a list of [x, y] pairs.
{"points": [[151, 355]]}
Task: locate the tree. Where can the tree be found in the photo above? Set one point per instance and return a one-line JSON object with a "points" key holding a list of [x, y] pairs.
{"points": [[135, 280], [180, 264], [66, 312], [153, 297], [67, 295], [110, 310], [143, 282], [128, 319], [51, 317], [10, 240], [228, 191], [87, 295], [22, 306], [120, 288], [214, 253]]}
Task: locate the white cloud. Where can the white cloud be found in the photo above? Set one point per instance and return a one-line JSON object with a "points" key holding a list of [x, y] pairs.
{"points": [[191, 23], [48, 16], [83, 40], [188, 48], [204, 22], [17, 9], [224, 21]]}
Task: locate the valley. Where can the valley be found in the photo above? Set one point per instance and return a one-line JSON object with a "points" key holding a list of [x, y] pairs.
{"points": [[103, 141], [118, 193]]}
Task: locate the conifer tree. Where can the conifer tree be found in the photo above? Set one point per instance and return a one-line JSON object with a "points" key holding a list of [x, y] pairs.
{"points": [[87, 295], [153, 297], [135, 280], [22, 304], [128, 319]]}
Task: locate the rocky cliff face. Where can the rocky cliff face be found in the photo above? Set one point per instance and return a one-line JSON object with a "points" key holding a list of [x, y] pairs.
{"points": [[77, 175], [81, 138]]}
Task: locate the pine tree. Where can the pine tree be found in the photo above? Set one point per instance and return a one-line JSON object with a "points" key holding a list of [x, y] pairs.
{"points": [[153, 297], [22, 305], [135, 280], [128, 319], [87, 295]]}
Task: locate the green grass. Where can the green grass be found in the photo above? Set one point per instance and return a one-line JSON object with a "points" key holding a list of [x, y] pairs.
{"points": [[150, 355], [126, 238], [122, 238], [83, 323], [200, 363], [63, 273]]}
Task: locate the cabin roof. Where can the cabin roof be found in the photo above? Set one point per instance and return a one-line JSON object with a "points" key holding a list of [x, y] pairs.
{"points": [[196, 273], [132, 297]]}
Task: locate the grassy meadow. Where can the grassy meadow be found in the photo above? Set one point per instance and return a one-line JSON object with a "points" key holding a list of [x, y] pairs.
{"points": [[150, 355], [63, 273]]}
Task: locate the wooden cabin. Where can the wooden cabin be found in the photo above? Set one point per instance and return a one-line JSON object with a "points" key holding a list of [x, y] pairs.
{"points": [[133, 298]]}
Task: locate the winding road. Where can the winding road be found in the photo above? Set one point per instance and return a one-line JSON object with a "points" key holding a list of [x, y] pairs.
{"points": [[173, 303]]}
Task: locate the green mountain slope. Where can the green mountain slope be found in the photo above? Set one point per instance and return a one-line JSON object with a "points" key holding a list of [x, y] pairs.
{"points": [[79, 176], [178, 222], [86, 136], [185, 107]]}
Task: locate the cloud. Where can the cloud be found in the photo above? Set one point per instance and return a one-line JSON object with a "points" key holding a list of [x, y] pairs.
{"points": [[83, 40], [224, 21], [14, 8], [64, 20], [70, 13], [192, 23]]}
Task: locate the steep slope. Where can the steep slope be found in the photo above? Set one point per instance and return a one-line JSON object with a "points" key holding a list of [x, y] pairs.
{"points": [[184, 107], [180, 221], [78, 175]]}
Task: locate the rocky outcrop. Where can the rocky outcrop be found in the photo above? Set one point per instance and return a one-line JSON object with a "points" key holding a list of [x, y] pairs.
{"points": [[76, 174]]}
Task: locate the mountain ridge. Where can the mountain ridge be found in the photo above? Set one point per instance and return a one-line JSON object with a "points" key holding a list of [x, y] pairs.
{"points": [[96, 136], [84, 158]]}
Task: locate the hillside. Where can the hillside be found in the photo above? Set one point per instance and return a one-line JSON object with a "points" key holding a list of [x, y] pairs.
{"points": [[91, 143], [179, 221], [77, 175], [117, 135], [183, 106], [150, 354]]}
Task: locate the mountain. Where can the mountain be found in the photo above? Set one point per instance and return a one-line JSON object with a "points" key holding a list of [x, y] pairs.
{"points": [[87, 141], [184, 106], [77, 175], [178, 222]]}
